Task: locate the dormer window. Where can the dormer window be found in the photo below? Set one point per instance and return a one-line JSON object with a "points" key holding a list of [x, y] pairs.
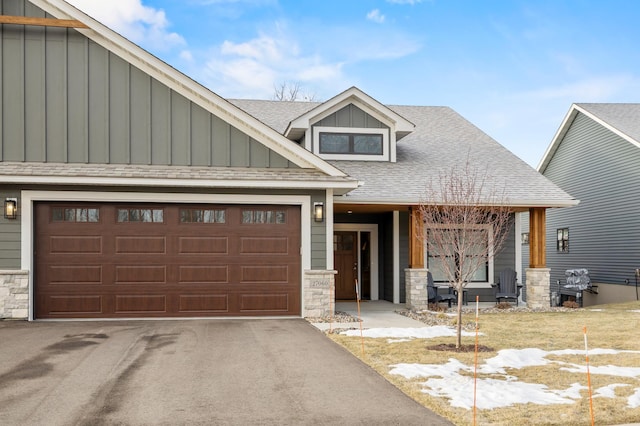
{"points": [[350, 143]]}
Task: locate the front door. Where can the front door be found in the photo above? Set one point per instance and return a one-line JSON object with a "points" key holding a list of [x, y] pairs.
{"points": [[345, 258]]}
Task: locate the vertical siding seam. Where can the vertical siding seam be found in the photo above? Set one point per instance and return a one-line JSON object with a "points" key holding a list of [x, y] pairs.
{"points": [[189, 140], [170, 129], [1, 91], [86, 120], [228, 141], [23, 83], [107, 101], [149, 126], [65, 97], [129, 118], [210, 160]]}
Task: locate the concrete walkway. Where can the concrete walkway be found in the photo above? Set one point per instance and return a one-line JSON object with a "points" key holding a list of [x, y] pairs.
{"points": [[374, 314]]}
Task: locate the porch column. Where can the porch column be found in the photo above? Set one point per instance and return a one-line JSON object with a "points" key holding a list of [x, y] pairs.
{"points": [[416, 243], [538, 275]]}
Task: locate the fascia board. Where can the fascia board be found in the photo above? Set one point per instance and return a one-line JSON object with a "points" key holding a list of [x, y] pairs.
{"points": [[182, 183], [414, 202], [187, 87], [555, 142], [564, 128]]}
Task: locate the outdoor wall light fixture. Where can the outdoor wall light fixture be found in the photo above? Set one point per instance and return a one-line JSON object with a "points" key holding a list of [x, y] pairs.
{"points": [[10, 208], [318, 212]]}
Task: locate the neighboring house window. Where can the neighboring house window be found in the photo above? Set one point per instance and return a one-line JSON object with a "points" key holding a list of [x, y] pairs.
{"points": [[563, 240], [434, 264], [351, 143], [202, 216], [66, 214], [345, 143], [525, 238], [141, 215]]}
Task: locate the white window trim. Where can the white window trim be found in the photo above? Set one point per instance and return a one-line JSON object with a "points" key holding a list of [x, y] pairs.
{"points": [[490, 275], [30, 197], [352, 130]]}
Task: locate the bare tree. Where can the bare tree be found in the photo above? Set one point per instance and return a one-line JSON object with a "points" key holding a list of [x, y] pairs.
{"points": [[465, 223], [291, 91]]}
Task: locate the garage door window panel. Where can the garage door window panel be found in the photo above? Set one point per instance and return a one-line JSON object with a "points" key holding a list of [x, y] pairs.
{"points": [[140, 215], [202, 216], [264, 217], [73, 214]]}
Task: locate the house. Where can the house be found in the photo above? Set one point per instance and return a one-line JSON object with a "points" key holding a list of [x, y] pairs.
{"points": [[594, 156], [131, 191]]}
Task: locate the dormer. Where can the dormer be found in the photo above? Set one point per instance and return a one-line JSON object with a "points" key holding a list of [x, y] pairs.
{"points": [[350, 126]]}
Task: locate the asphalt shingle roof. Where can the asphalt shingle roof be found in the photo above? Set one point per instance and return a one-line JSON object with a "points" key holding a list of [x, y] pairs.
{"points": [[442, 139]]}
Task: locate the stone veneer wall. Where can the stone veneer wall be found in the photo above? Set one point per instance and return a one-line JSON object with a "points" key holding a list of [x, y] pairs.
{"points": [[319, 291], [416, 297], [14, 294], [538, 280]]}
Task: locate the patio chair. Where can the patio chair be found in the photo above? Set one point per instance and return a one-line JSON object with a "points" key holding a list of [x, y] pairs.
{"points": [[507, 286], [432, 292]]}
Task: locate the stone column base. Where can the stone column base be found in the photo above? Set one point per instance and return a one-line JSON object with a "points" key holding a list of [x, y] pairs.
{"points": [[319, 293], [416, 295], [538, 280], [14, 294]]}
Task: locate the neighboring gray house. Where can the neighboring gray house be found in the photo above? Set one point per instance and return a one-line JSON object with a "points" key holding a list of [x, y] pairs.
{"points": [[594, 156], [138, 192]]}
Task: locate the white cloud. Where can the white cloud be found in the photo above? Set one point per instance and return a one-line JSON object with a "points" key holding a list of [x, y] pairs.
{"points": [[141, 24], [376, 16], [254, 67]]}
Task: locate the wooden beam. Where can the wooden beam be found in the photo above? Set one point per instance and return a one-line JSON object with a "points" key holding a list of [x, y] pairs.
{"points": [[416, 242], [42, 22], [537, 237]]}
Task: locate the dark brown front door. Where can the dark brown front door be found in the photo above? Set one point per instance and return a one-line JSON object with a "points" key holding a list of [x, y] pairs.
{"points": [[345, 258], [152, 260]]}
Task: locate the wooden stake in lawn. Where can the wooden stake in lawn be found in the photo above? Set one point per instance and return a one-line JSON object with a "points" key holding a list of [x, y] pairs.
{"points": [[475, 363], [331, 297], [586, 353], [359, 318]]}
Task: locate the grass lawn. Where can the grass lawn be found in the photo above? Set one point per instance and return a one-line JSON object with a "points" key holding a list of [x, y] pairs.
{"points": [[615, 374]]}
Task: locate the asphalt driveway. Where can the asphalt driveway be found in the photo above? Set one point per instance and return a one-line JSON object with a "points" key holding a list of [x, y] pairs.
{"points": [[218, 372]]}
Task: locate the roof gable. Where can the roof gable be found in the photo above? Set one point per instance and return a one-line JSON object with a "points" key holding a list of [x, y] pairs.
{"points": [[352, 96], [623, 119], [186, 87]]}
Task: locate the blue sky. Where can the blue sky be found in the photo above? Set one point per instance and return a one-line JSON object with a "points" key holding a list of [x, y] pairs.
{"points": [[511, 67]]}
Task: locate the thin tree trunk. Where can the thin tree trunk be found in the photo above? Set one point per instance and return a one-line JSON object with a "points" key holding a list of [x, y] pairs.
{"points": [[459, 330]]}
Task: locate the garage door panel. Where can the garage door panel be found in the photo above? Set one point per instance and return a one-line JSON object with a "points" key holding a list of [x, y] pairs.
{"points": [[203, 245], [136, 274], [75, 275], [264, 303], [264, 245], [166, 268], [143, 303], [204, 303], [264, 274], [74, 304], [204, 274], [77, 245], [140, 245]]}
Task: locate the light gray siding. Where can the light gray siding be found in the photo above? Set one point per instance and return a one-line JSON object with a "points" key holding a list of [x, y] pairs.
{"points": [[67, 99], [601, 170], [9, 235], [351, 116]]}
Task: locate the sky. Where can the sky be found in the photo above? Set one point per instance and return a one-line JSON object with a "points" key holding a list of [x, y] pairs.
{"points": [[452, 379], [511, 67]]}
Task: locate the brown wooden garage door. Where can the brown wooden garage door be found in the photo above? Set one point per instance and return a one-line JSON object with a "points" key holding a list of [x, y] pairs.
{"points": [[152, 260]]}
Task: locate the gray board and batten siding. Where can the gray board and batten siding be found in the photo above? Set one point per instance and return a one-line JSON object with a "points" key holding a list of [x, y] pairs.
{"points": [[351, 116], [66, 99], [599, 168]]}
